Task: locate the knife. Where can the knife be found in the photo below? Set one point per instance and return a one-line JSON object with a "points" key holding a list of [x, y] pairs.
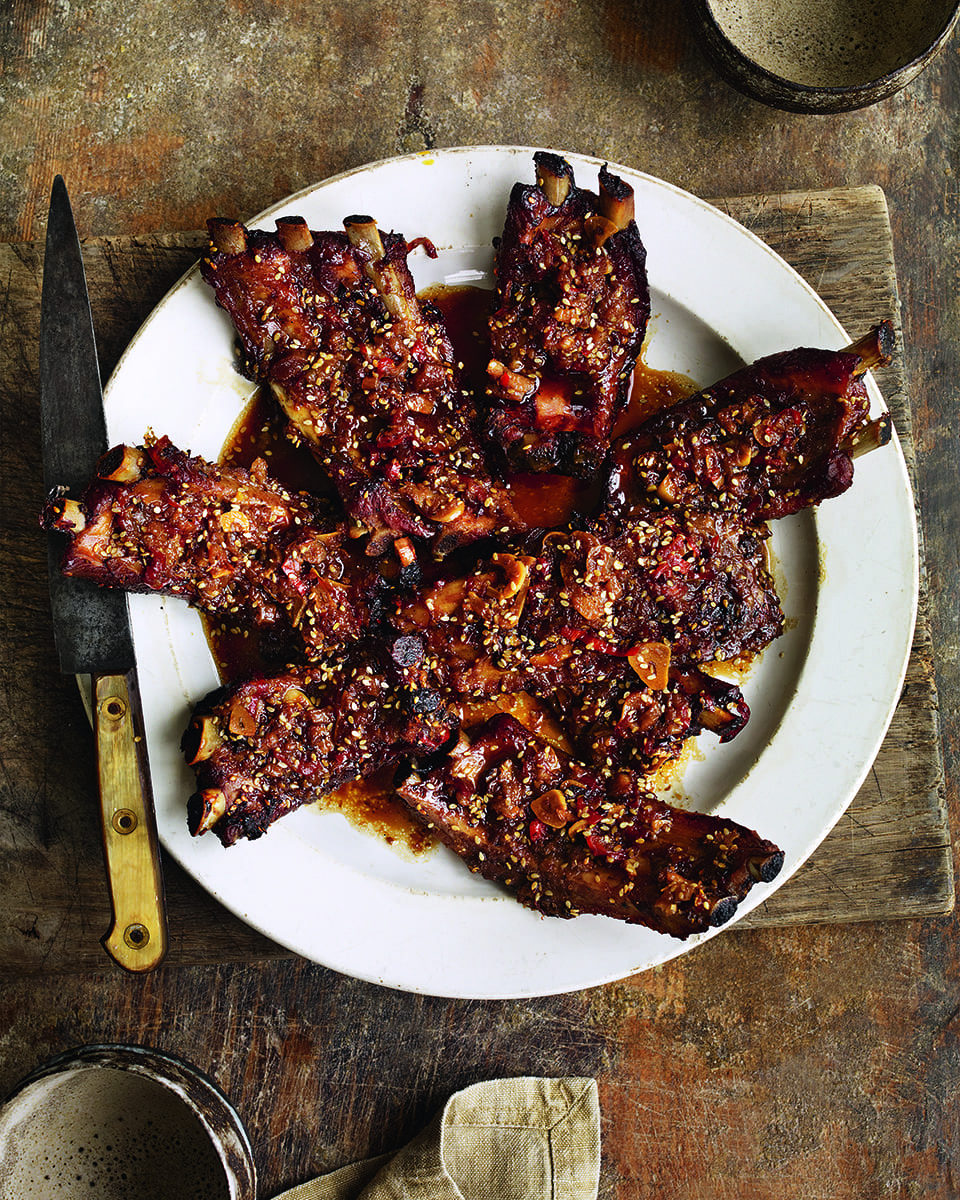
{"points": [[92, 624]]}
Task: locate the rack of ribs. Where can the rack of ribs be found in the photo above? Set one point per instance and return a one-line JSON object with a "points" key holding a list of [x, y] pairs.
{"points": [[571, 313], [771, 439], [608, 628], [365, 374], [233, 543], [676, 586], [567, 840], [265, 746]]}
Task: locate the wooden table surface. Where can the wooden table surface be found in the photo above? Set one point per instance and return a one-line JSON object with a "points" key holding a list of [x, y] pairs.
{"points": [[817, 1058]]}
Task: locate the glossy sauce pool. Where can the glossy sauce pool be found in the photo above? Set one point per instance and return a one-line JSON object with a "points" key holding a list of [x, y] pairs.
{"points": [[543, 501]]}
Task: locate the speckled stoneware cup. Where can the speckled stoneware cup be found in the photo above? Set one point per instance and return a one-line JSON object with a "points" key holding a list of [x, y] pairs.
{"points": [[821, 56], [122, 1121]]}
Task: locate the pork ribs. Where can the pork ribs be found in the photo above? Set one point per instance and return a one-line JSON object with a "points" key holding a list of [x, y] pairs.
{"points": [[365, 374], [263, 747], [607, 627], [232, 542], [566, 839], [676, 586], [773, 438], [571, 313]]}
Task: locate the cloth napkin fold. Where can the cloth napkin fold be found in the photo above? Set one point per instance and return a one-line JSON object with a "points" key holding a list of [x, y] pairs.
{"points": [[507, 1139]]}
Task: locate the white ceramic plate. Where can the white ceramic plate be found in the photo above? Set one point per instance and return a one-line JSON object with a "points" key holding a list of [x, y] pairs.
{"points": [[821, 697]]}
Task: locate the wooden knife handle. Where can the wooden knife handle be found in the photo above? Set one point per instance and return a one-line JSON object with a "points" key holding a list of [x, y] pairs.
{"points": [[138, 937]]}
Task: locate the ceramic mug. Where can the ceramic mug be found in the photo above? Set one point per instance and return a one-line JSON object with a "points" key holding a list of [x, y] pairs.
{"points": [[122, 1121]]}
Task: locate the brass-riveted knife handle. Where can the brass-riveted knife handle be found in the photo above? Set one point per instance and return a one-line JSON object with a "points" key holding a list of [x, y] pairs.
{"points": [[138, 937]]}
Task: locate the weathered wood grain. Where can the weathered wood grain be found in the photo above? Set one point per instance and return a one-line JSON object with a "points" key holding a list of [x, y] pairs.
{"points": [[815, 1062], [888, 857]]}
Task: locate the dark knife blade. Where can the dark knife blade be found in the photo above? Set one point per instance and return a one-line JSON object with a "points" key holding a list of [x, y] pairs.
{"points": [[92, 624]]}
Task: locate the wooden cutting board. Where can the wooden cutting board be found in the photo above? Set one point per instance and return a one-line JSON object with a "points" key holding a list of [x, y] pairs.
{"points": [[889, 856]]}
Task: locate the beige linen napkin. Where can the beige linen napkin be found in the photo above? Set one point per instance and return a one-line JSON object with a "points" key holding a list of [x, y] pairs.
{"points": [[508, 1139]]}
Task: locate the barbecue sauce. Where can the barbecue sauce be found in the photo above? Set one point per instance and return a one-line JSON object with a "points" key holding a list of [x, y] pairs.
{"points": [[544, 501]]}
